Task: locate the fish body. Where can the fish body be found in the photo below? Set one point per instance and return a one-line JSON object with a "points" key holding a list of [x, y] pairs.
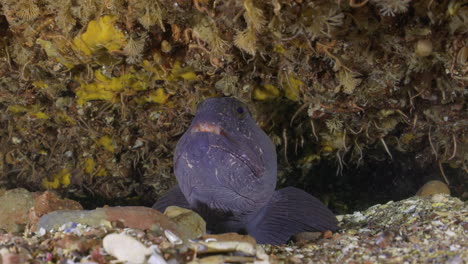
{"points": [[226, 170]]}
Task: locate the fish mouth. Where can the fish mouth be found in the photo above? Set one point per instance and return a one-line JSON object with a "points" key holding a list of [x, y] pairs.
{"points": [[206, 127], [235, 148]]}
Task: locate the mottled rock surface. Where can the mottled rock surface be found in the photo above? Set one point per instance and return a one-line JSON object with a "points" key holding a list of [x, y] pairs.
{"points": [[14, 207], [189, 222], [126, 248], [48, 202], [433, 187], [137, 217]]}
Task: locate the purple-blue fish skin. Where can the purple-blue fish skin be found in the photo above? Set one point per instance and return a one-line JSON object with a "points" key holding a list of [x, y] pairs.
{"points": [[226, 170]]}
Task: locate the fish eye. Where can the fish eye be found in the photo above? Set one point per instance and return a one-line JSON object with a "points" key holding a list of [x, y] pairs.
{"points": [[240, 111]]}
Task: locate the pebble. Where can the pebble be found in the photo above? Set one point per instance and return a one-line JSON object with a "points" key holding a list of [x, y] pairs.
{"points": [[126, 248], [48, 202], [305, 237], [14, 207], [190, 223], [173, 238], [136, 217], [228, 242], [433, 187], [156, 259]]}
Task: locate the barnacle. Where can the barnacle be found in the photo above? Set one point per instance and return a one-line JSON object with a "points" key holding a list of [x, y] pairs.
{"points": [[246, 41], [348, 81], [320, 20], [247, 38], [66, 21], [391, 7], [21, 54], [227, 84], [207, 31], [331, 142], [27, 10], [134, 49], [254, 16], [334, 125], [150, 13]]}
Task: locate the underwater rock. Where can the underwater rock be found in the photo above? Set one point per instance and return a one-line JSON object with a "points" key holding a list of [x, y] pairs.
{"points": [[137, 217], [48, 202], [73, 242], [304, 237], [19, 207], [433, 187], [189, 222], [229, 247], [7, 257], [228, 242], [125, 248], [14, 207]]}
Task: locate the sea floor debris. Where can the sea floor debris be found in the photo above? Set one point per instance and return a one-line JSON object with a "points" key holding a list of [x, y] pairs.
{"points": [[431, 229]]}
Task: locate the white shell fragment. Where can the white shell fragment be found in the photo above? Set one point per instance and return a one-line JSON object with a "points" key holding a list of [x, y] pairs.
{"points": [[173, 238], [156, 259], [126, 248], [229, 246]]}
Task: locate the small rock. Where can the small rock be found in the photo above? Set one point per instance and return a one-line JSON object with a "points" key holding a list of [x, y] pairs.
{"points": [[423, 48], [14, 207], [230, 237], [143, 218], [75, 243], [57, 219], [439, 198], [191, 223], [414, 239], [433, 187], [305, 237], [12, 258], [48, 202], [156, 259], [228, 242], [137, 217], [327, 234], [125, 248], [384, 239], [465, 226], [173, 238]]}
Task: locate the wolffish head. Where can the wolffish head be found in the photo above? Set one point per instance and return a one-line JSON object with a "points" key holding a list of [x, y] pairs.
{"points": [[225, 162]]}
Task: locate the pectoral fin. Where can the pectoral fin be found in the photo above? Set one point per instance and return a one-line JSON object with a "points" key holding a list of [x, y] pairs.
{"points": [[173, 197], [290, 211]]}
